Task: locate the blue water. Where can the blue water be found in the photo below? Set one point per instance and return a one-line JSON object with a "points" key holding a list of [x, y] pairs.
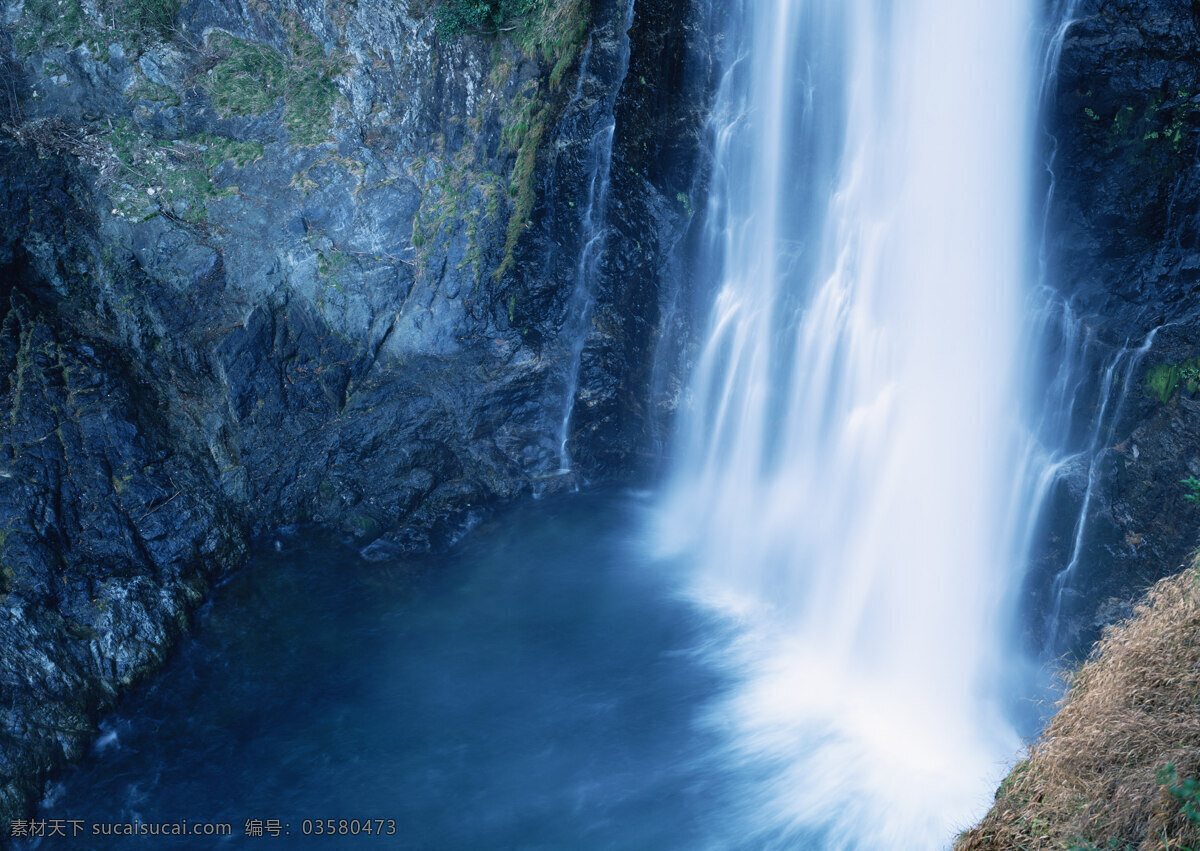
{"points": [[542, 686]]}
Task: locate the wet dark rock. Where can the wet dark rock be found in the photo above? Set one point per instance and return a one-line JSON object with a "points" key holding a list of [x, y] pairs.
{"points": [[211, 332], [622, 412], [1126, 117], [111, 532], [1125, 124]]}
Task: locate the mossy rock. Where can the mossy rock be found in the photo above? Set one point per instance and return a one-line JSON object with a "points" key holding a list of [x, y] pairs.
{"points": [[1162, 381], [250, 79]]}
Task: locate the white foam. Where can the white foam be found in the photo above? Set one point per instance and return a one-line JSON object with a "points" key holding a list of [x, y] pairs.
{"points": [[847, 477]]}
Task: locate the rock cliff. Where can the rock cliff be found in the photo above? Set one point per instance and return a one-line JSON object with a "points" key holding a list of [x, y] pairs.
{"points": [[267, 262], [1124, 250]]}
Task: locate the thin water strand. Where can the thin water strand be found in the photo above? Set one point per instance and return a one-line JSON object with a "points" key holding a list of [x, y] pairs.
{"points": [[1076, 409], [594, 227]]}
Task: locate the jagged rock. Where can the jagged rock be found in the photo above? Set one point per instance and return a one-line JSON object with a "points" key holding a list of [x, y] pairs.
{"points": [[223, 319], [1125, 120]]}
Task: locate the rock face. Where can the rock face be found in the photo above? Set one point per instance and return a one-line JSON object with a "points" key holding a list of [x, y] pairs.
{"points": [[266, 263], [1125, 251]]}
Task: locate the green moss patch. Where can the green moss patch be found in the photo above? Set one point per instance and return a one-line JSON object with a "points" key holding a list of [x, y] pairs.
{"points": [[146, 176], [521, 184], [450, 199], [1163, 380], [145, 89], [135, 24], [330, 265], [250, 79]]}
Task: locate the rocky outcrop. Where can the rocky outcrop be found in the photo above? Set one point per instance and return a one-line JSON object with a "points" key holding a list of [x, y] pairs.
{"points": [[643, 319], [1125, 132], [268, 263]]}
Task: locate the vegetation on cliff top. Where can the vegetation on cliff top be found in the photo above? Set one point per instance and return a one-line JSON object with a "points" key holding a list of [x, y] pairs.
{"points": [[1118, 766], [551, 31], [68, 23], [461, 16]]}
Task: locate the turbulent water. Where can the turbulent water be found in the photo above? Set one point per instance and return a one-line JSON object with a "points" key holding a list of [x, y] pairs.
{"points": [[540, 687], [852, 480]]}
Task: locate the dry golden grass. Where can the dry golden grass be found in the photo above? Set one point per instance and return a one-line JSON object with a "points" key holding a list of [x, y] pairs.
{"points": [[1097, 779]]}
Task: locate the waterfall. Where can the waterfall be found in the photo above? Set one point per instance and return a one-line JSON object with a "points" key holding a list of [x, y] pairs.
{"points": [[1082, 458], [851, 478], [1075, 409], [594, 218]]}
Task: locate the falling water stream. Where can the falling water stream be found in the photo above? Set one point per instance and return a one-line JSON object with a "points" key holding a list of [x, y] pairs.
{"points": [[1075, 408], [849, 478], [594, 218]]}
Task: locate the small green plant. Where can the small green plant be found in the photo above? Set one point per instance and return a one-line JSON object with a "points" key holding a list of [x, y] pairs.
{"points": [[1193, 487], [1122, 121], [1163, 380], [455, 17], [1189, 374], [1185, 792], [331, 264], [683, 199], [250, 79], [1151, 128]]}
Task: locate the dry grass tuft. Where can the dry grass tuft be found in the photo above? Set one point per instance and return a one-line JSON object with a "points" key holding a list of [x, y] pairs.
{"points": [[1117, 767]]}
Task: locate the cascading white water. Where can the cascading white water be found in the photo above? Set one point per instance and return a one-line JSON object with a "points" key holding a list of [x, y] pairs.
{"points": [[1075, 411], [1116, 380], [851, 467]]}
